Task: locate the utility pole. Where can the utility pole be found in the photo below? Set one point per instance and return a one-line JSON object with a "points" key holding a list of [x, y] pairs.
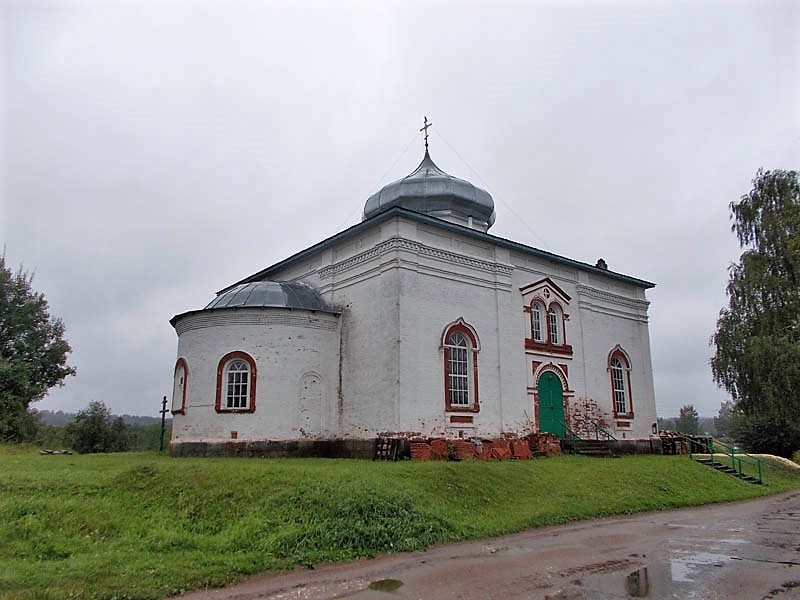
{"points": [[163, 419]]}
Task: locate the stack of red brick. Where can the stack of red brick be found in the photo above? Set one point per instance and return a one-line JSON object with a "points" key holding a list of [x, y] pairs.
{"points": [[535, 444]]}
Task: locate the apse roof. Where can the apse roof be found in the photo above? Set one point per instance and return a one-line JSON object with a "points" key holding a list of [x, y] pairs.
{"points": [[431, 191], [273, 294], [266, 294]]}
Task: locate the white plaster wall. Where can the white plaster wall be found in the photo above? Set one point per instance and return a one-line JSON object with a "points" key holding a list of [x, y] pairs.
{"points": [[436, 290], [362, 282], [608, 321], [602, 313], [293, 350], [398, 285]]}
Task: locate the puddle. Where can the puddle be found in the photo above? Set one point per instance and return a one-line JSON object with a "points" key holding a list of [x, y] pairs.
{"points": [[385, 585], [637, 584], [684, 568]]}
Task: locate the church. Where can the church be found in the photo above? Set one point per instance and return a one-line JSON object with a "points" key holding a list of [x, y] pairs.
{"points": [[414, 323]]}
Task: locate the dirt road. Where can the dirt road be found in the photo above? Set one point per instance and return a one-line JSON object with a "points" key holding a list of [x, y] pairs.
{"points": [[746, 550]]}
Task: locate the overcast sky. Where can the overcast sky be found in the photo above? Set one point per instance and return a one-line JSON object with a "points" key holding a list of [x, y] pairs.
{"points": [[153, 153]]}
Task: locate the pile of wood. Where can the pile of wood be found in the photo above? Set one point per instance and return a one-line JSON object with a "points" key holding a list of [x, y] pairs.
{"points": [[673, 442]]}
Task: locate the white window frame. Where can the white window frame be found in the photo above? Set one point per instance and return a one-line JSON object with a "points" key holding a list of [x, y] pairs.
{"points": [[537, 309], [619, 385], [236, 387], [554, 326]]}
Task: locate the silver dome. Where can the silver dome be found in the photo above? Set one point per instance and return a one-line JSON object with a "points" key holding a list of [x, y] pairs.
{"points": [[277, 294], [431, 191]]}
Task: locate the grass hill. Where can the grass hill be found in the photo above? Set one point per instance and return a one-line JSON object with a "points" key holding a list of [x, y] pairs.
{"points": [[147, 526]]}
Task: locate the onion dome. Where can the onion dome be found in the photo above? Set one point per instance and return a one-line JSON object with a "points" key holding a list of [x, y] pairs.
{"points": [[272, 294], [431, 191]]}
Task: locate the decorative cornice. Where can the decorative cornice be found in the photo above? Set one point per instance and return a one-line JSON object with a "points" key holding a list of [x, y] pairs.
{"points": [[590, 292], [398, 243]]}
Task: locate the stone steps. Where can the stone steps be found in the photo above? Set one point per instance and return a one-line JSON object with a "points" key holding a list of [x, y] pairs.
{"points": [[722, 468], [594, 448]]}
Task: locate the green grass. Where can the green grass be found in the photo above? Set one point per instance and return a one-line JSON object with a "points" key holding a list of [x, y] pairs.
{"points": [[147, 526]]}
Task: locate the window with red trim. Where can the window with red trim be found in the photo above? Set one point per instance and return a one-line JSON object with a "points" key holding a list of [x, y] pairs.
{"points": [[620, 372], [548, 328], [180, 381], [553, 325], [236, 383], [461, 368], [538, 327]]}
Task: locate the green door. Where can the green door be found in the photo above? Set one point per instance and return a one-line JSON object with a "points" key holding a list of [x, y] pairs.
{"points": [[551, 404]]}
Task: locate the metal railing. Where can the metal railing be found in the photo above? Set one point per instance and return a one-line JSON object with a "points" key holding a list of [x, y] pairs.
{"points": [[572, 438], [738, 460], [596, 429]]}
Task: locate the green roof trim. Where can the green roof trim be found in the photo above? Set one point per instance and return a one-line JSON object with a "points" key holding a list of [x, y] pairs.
{"points": [[465, 231]]}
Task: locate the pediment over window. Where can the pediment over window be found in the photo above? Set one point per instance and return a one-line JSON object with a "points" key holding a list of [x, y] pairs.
{"points": [[547, 289]]}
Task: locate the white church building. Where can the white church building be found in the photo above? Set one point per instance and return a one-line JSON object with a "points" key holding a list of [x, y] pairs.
{"points": [[414, 323]]}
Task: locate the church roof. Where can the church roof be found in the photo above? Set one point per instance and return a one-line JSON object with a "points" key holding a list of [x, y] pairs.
{"points": [[431, 191], [274, 294], [266, 294], [396, 211]]}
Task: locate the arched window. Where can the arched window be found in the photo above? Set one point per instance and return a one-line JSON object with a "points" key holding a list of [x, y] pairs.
{"points": [[460, 367], [236, 383], [619, 369], [180, 381], [554, 325], [237, 378], [537, 322]]}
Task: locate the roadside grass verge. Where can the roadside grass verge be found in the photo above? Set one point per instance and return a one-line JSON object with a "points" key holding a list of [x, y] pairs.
{"points": [[148, 526]]}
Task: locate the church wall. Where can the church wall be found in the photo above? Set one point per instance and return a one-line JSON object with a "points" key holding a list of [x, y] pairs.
{"points": [[357, 276], [444, 277], [603, 313], [295, 352], [395, 382], [611, 320], [380, 364]]}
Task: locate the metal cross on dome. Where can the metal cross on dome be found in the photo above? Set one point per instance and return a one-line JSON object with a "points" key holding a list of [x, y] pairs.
{"points": [[425, 129]]}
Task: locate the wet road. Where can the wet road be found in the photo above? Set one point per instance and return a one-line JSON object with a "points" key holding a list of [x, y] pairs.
{"points": [[745, 550]]}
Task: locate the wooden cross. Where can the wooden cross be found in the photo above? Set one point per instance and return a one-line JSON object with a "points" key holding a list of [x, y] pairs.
{"points": [[163, 412], [425, 129]]}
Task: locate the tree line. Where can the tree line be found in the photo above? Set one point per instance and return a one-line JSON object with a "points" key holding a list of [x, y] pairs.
{"points": [[95, 429]]}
